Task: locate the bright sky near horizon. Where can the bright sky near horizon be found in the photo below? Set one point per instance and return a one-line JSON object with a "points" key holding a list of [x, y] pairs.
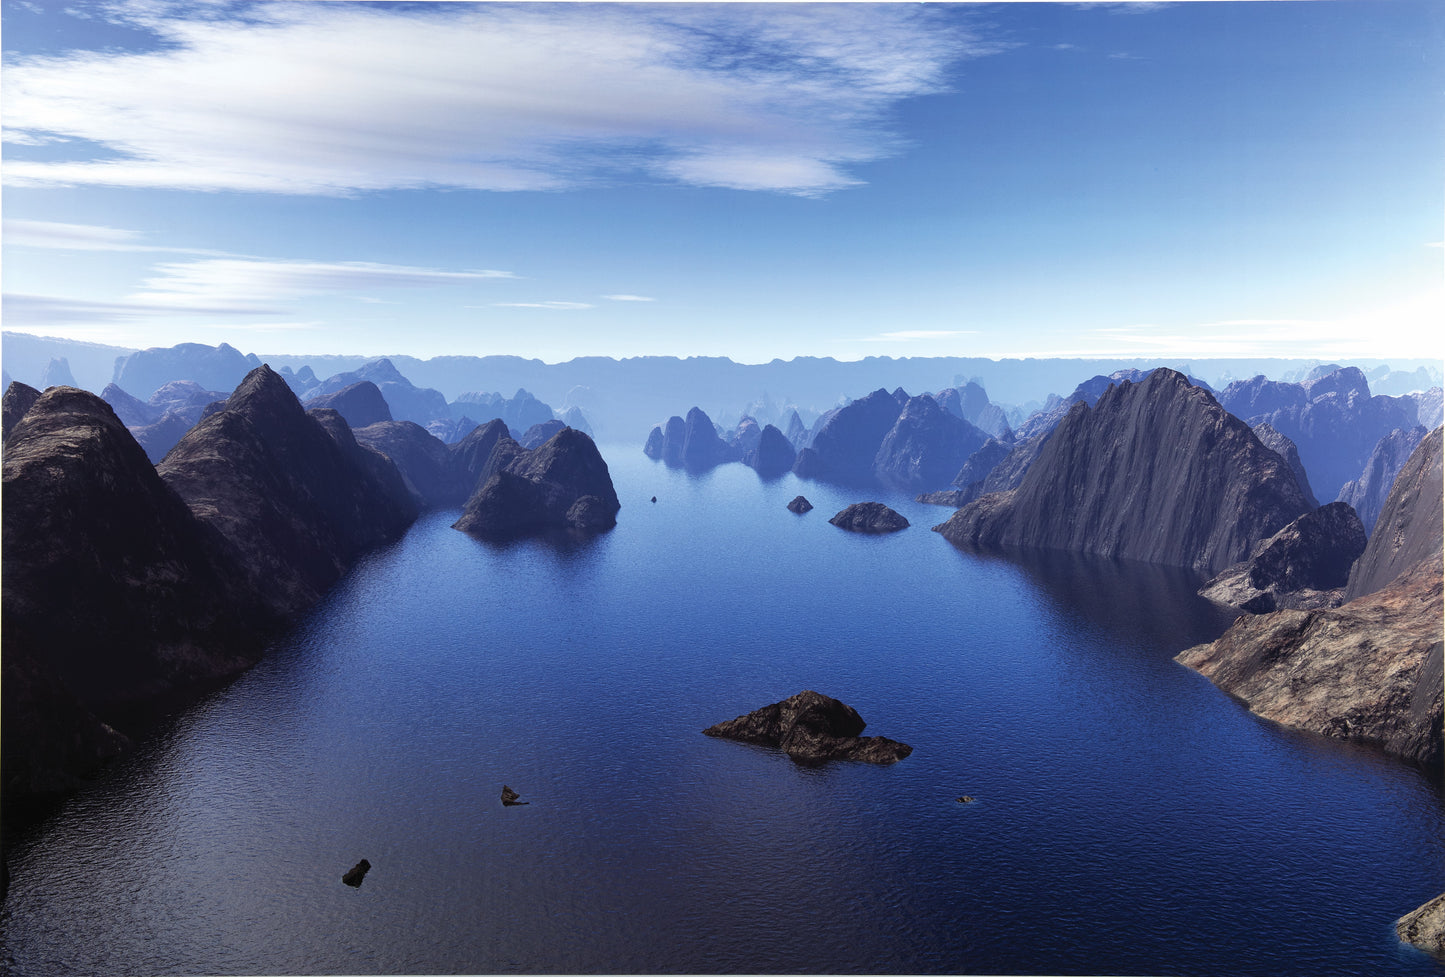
{"points": [[560, 180]]}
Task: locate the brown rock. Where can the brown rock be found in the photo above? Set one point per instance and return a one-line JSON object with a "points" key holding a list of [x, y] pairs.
{"points": [[1425, 927], [811, 728]]}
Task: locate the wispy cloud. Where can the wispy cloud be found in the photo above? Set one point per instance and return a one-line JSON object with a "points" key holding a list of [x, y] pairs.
{"points": [[538, 305], [347, 98], [629, 298], [82, 237], [25, 310], [256, 286]]}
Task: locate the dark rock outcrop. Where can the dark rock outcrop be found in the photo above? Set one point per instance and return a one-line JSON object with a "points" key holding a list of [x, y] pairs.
{"points": [[297, 500], [1305, 564], [1425, 927], [472, 455], [925, 447], [1156, 471], [18, 399], [564, 484], [356, 874], [811, 728], [430, 471], [1286, 449], [869, 517], [1410, 525], [117, 600], [800, 505], [510, 798], [361, 403], [773, 453], [1367, 493]]}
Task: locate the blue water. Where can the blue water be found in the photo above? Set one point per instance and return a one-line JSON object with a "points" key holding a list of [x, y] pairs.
{"points": [[1129, 818]]}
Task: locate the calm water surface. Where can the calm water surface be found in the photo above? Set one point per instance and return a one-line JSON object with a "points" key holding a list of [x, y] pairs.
{"points": [[1129, 818]]}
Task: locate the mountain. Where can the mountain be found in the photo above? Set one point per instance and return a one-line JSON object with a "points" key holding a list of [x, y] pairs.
{"points": [[1155, 471], [405, 400], [213, 367], [539, 434], [361, 403], [925, 447], [298, 501], [773, 454], [1305, 564], [19, 398], [562, 485], [57, 373], [846, 441], [691, 443], [520, 411], [433, 475], [117, 600], [1368, 492], [1332, 419], [473, 454], [132, 411], [1371, 669]]}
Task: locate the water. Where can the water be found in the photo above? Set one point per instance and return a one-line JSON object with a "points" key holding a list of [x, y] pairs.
{"points": [[1129, 818]]}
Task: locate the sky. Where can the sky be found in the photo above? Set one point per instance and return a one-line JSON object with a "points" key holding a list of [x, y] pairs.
{"points": [[755, 181]]}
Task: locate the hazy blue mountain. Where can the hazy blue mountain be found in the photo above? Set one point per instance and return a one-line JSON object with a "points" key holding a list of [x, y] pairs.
{"points": [[213, 367], [406, 400], [1367, 493]]}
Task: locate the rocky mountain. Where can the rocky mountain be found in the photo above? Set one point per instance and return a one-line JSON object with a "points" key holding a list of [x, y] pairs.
{"points": [[772, 455], [301, 381], [796, 431], [846, 441], [520, 411], [451, 430], [925, 447], [473, 454], [691, 443], [160, 422], [213, 367], [1429, 407], [1305, 564], [1410, 524], [433, 475], [406, 401], [1371, 669], [19, 398], [1367, 493], [296, 500], [562, 485], [1332, 419], [811, 728], [117, 599], [539, 434], [361, 403], [132, 411], [57, 373], [1156, 471], [1286, 449]]}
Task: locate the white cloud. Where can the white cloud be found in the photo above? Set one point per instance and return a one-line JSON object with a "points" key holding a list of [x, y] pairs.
{"points": [[629, 298], [22, 309], [538, 305], [81, 237], [346, 98], [250, 285]]}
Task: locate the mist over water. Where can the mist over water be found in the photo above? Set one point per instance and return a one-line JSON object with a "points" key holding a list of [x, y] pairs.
{"points": [[1129, 817]]}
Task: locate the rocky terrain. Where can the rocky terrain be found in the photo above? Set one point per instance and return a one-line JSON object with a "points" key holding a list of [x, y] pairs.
{"points": [[811, 728], [297, 500], [1306, 564], [361, 403], [925, 447], [406, 401], [1367, 493], [1286, 449], [562, 485], [434, 475], [212, 367], [1371, 669], [1156, 471], [1425, 927], [869, 517], [845, 441]]}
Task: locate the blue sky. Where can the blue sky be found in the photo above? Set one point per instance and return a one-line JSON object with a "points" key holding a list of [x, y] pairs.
{"points": [[1019, 179]]}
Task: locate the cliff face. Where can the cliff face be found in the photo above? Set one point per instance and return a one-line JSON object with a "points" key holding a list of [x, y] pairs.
{"points": [[115, 596], [1367, 493], [1305, 564], [773, 454], [1156, 471], [562, 485], [471, 454], [296, 504], [1410, 524], [845, 444], [1287, 450], [691, 443], [427, 468]]}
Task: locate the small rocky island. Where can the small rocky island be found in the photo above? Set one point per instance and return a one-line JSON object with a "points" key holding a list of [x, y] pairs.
{"points": [[811, 728], [869, 517]]}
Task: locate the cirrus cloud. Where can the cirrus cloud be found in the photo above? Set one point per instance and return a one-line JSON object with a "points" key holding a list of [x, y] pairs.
{"points": [[341, 98]]}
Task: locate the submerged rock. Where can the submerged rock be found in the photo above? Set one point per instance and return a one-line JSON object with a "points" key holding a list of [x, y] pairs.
{"points": [[811, 728], [799, 505], [358, 872], [510, 798], [869, 517]]}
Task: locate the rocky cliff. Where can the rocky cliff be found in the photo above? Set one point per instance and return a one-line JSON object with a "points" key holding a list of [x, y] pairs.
{"points": [[296, 502], [562, 485], [925, 447], [1287, 450], [1155, 471], [1305, 564], [773, 454], [846, 442], [18, 399], [433, 476], [690, 442], [1367, 493], [361, 403], [1371, 669]]}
